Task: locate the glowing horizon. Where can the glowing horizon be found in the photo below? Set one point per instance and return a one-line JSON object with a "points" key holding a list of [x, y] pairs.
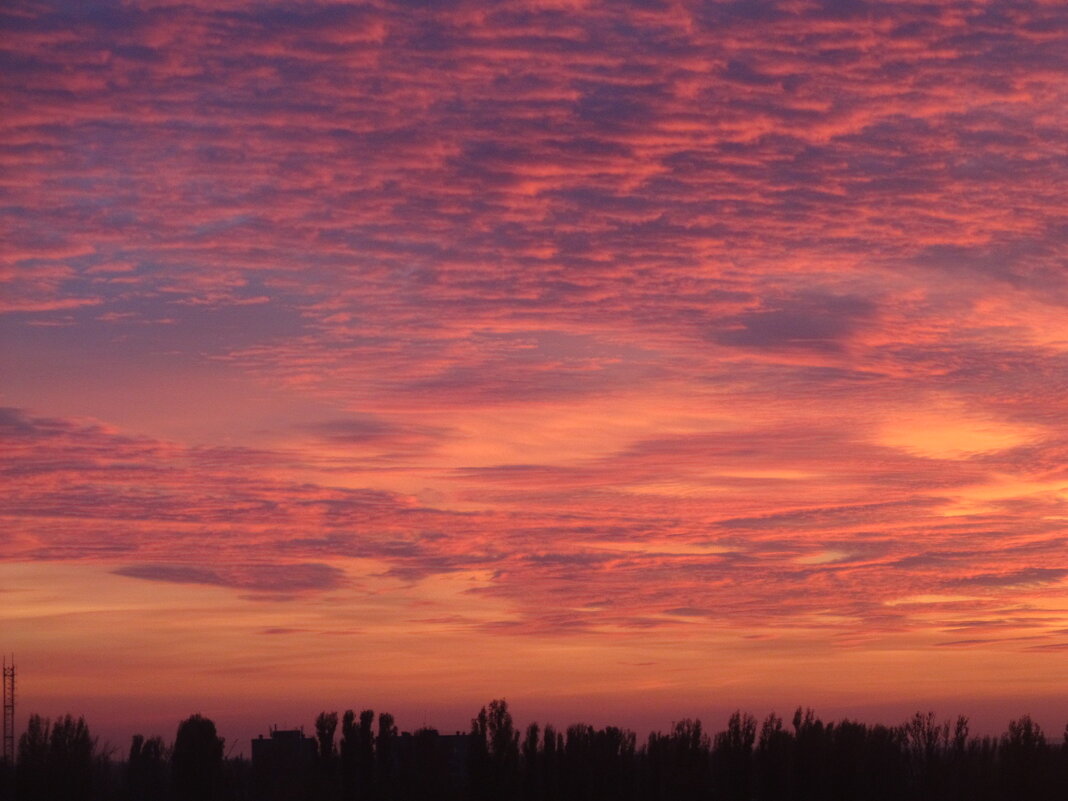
{"points": [[625, 361]]}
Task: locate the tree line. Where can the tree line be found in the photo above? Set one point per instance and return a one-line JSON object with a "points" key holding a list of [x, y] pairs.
{"points": [[923, 759]]}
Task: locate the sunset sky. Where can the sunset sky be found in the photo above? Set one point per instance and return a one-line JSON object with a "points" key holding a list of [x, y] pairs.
{"points": [[628, 360]]}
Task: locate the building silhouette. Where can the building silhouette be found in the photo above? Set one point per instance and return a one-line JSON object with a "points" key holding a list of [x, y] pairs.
{"points": [[283, 765]]}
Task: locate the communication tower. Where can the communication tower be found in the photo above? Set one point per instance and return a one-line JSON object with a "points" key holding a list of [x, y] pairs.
{"points": [[9, 712]]}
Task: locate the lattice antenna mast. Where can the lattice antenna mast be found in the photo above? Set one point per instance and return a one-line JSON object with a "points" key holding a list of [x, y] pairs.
{"points": [[9, 711]]}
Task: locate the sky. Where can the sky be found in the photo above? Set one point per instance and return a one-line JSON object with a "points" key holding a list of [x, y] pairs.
{"points": [[631, 361]]}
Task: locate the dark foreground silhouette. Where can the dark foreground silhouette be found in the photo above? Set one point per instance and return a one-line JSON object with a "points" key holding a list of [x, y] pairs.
{"points": [[806, 759]]}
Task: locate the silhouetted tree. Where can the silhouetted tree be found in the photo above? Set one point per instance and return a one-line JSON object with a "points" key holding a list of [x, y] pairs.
{"points": [[1023, 761], [773, 756], [847, 751], [327, 773], [956, 762], [55, 761], [325, 728], [926, 741], [349, 737], [924, 758], [810, 757], [678, 764], [70, 759], [196, 761], [599, 764], [552, 750], [365, 755], [357, 755], [884, 766], [504, 751], [1061, 780], [385, 758], [478, 757], [732, 758], [531, 767], [579, 777], [146, 769], [31, 775]]}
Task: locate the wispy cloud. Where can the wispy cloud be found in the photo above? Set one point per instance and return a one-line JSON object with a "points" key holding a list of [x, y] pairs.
{"points": [[274, 578]]}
